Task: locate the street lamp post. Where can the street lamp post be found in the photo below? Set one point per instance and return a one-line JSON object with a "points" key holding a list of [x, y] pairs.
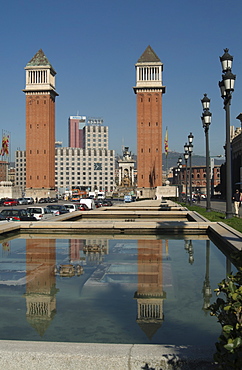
{"points": [[240, 174], [186, 156], [227, 87], [190, 149], [179, 166], [206, 120]]}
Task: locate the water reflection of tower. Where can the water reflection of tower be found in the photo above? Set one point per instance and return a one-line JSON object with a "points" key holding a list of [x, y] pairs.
{"points": [[75, 248], [40, 283], [150, 294]]}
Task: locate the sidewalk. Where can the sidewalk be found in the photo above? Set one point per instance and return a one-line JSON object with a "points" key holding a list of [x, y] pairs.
{"points": [[218, 205]]}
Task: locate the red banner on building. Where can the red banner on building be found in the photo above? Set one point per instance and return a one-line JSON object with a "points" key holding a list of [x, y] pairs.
{"points": [[5, 145]]}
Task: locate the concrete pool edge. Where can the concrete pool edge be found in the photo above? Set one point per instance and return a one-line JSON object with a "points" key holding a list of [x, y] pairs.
{"points": [[38, 355]]}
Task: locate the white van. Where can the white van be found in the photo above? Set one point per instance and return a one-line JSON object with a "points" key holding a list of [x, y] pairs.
{"points": [[40, 213], [89, 202], [71, 207], [101, 195]]}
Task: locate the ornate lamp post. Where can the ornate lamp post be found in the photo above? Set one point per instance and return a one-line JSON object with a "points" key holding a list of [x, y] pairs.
{"points": [[186, 156], [206, 120], [227, 87], [179, 166], [190, 150]]}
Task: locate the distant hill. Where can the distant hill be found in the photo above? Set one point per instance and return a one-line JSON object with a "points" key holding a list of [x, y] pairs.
{"points": [[172, 158], [197, 160]]}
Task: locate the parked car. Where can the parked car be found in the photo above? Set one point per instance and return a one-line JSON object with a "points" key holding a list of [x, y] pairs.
{"points": [[52, 200], [127, 199], [1, 201], [10, 202], [17, 215], [42, 200], [30, 200], [82, 207], [40, 213], [3, 219], [98, 203], [107, 203], [57, 209], [22, 201], [71, 207]]}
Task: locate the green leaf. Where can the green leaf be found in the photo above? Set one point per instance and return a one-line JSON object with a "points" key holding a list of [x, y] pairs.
{"points": [[237, 342], [227, 328], [229, 346], [227, 308], [231, 287]]}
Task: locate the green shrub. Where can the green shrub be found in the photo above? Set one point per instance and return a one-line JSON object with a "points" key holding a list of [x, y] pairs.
{"points": [[229, 314]]}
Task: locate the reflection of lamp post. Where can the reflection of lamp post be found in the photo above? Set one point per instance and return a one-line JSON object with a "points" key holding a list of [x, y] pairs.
{"points": [[240, 174], [206, 120], [207, 291], [191, 253], [189, 249], [226, 88], [186, 156]]}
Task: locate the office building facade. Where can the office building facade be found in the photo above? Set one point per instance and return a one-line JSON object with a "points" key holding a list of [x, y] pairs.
{"points": [[75, 131], [90, 168]]}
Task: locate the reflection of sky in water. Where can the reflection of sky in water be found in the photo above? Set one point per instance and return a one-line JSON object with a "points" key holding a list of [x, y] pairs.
{"points": [[102, 304]]}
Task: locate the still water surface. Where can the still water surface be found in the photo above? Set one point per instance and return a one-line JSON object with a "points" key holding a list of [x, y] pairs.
{"points": [[140, 291]]}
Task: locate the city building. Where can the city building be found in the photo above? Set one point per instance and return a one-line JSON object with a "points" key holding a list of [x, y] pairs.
{"points": [[40, 126], [199, 178], [90, 168], [95, 134], [149, 91], [75, 131], [236, 152], [3, 171]]}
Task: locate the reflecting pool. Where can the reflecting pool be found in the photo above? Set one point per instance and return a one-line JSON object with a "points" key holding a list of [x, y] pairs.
{"points": [[101, 289]]}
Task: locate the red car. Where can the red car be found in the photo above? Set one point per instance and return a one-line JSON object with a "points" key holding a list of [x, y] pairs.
{"points": [[82, 207], [10, 202]]}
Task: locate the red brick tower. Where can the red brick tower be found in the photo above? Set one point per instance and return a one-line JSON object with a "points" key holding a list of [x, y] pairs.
{"points": [[149, 90], [40, 127]]}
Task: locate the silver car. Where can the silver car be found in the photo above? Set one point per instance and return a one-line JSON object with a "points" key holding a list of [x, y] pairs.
{"points": [[22, 201]]}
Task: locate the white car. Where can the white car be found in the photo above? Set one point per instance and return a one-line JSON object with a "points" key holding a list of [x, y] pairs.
{"points": [[40, 213], [71, 207]]}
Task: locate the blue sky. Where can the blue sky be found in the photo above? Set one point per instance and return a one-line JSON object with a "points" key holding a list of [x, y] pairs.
{"points": [[94, 45]]}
